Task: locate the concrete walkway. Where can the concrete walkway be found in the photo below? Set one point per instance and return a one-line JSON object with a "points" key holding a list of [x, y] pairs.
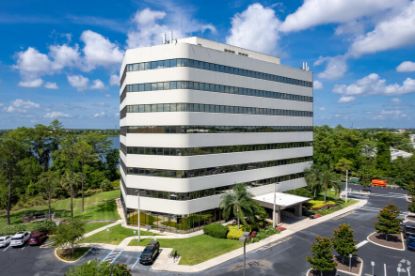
{"points": [[105, 227]]}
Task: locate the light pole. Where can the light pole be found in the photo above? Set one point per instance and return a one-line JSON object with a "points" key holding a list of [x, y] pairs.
{"points": [[274, 206], [347, 185], [372, 263], [399, 270], [138, 216], [350, 262], [244, 238]]}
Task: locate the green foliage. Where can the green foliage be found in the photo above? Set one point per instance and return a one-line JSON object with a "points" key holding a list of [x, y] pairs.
{"points": [[343, 241], [305, 192], [106, 185], [264, 233], [96, 268], [12, 229], [234, 232], [216, 230], [320, 204], [68, 233], [44, 226], [322, 255], [388, 220]]}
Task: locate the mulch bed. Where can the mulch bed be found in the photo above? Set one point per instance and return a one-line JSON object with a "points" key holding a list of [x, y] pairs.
{"points": [[393, 241], [355, 268], [317, 273]]}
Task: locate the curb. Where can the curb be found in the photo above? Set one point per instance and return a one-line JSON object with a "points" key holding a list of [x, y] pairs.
{"points": [[385, 246], [70, 262], [354, 274]]}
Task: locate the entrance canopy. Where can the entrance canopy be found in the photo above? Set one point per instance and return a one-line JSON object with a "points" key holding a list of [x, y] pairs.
{"points": [[282, 200]]}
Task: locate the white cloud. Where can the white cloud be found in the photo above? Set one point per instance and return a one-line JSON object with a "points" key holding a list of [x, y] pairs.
{"points": [[317, 12], [346, 99], [390, 114], [336, 67], [390, 33], [97, 85], [317, 85], [31, 83], [51, 85], [114, 80], [79, 82], [21, 106], [149, 25], [396, 100], [99, 114], [99, 51], [64, 56], [56, 115], [406, 66], [372, 84], [256, 28], [322, 108]]}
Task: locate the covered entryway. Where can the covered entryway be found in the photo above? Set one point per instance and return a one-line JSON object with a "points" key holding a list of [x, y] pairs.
{"points": [[282, 201]]}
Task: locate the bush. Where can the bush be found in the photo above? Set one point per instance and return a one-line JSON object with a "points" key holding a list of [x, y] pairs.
{"points": [[44, 226], [320, 204], [99, 269], [12, 229], [106, 186], [265, 233], [234, 233], [216, 230]]}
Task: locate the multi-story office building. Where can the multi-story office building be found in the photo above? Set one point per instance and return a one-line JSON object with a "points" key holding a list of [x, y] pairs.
{"points": [[197, 117]]}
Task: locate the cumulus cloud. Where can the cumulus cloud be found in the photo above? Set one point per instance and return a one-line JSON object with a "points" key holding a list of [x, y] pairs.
{"points": [[114, 80], [406, 66], [78, 81], [390, 114], [336, 67], [55, 115], [51, 85], [372, 84], [64, 56], [149, 25], [31, 83], [390, 33], [317, 12], [21, 106], [396, 100], [97, 85], [256, 28], [317, 85], [99, 114]]}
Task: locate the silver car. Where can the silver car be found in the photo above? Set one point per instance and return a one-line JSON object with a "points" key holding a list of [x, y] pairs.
{"points": [[20, 239], [5, 241]]}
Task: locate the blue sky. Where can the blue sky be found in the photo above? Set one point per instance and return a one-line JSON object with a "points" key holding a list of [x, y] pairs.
{"points": [[60, 59]]}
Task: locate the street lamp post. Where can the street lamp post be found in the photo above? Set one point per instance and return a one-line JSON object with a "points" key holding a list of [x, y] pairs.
{"points": [[138, 216], [244, 238], [350, 262], [372, 263], [347, 185], [274, 206]]}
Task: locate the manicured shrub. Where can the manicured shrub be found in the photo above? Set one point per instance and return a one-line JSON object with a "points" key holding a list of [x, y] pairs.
{"points": [[216, 230], [264, 233], [320, 204], [44, 226], [234, 233]]}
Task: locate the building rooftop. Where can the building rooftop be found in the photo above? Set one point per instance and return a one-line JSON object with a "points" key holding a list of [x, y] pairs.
{"points": [[282, 200]]}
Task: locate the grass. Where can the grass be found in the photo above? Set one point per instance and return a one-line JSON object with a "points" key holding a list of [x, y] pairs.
{"points": [[338, 207], [100, 209], [78, 253], [114, 235], [196, 249]]}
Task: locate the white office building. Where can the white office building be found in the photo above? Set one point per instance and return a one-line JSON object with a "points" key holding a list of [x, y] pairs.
{"points": [[198, 117]]}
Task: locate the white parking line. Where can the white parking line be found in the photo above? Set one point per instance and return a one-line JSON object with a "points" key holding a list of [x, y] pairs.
{"points": [[384, 269], [360, 244], [103, 259], [116, 257], [136, 262], [7, 248]]}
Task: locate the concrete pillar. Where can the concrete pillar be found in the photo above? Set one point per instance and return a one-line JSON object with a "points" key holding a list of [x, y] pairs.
{"points": [[277, 216], [298, 210]]}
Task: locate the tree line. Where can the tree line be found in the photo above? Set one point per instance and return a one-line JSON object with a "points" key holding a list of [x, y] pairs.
{"points": [[47, 162]]}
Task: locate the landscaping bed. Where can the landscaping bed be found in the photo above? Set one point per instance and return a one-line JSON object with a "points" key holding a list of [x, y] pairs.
{"points": [[355, 265], [394, 241], [66, 255]]}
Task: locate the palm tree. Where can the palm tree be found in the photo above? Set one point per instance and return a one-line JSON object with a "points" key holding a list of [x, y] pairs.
{"points": [[328, 180], [70, 182], [238, 203], [312, 177]]}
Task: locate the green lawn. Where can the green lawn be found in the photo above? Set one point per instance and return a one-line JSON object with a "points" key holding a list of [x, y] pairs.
{"points": [[197, 249], [114, 235], [100, 209]]}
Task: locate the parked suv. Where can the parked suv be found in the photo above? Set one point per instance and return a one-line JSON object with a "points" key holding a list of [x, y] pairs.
{"points": [[5, 241], [37, 238], [409, 229], [150, 253], [20, 239]]}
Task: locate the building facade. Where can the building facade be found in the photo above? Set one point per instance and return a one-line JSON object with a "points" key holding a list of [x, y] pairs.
{"points": [[198, 117]]}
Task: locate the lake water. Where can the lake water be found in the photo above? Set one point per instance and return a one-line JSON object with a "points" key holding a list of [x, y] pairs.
{"points": [[115, 140]]}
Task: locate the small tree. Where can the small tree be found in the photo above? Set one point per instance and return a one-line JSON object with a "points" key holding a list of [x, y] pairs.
{"points": [[68, 234], [322, 255], [388, 221], [343, 241], [99, 269]]}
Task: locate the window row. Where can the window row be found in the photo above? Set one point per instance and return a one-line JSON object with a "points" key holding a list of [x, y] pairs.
{"points": [[192, 63], [210, 129], [211, 170], [210, 150], [168, 85], [211, 108], [207, 192]]}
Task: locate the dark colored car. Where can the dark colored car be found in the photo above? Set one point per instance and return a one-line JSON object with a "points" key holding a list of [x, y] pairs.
{"points": [[410, 242], [409, 229], [150, 253], [37, 238]]}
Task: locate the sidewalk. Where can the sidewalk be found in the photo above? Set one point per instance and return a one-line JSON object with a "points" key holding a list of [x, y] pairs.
{"points": [[293, 228], [93, 232]]}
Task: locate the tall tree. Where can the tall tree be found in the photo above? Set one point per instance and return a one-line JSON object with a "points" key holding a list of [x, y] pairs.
{"points": [[13, 149], [328, 181], [68, 234], [47, 183], [322, 255], [312, 177], [343, 241], [388, 221]]}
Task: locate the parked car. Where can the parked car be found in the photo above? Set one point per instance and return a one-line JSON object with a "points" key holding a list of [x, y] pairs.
{"points": [[37, 238], [20, 239], [5, 241], [410, 242], [150, 253], [409, 229]]}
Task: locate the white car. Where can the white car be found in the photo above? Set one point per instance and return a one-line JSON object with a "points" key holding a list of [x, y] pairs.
{"points": [[19, 239], [5, 241]]}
